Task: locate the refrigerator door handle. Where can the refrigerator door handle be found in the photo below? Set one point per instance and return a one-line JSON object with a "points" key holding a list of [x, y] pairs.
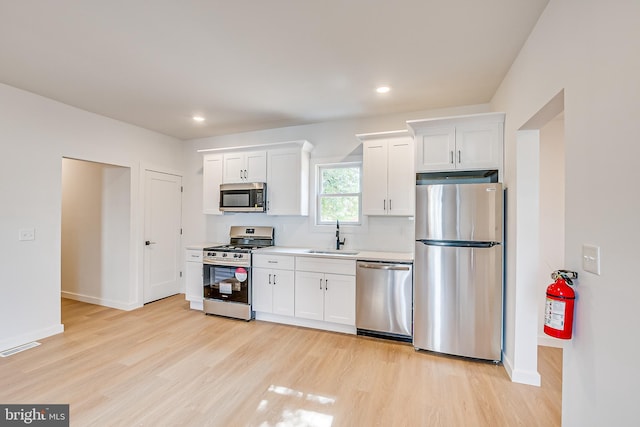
{"points": [[462, 244]]}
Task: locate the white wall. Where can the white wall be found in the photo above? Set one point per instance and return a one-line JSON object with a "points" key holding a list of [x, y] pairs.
{"points": [[96, 207], [35, 133], [551, 224], [333, 141], [589, 48]]}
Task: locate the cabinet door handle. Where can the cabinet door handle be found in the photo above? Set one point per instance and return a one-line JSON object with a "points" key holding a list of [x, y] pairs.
{"points": [[384, 205], [274, 279], [321, 284], [240, 174], [245, 174], [269, 278], [451, 156], [459, 157], [389, 204], [326, 284]]}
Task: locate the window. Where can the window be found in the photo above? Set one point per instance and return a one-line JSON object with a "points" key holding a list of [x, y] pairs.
{"points": [[339, 194]]}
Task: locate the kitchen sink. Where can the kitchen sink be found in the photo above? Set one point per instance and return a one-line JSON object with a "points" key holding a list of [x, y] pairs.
{"points": [[331, 252]]}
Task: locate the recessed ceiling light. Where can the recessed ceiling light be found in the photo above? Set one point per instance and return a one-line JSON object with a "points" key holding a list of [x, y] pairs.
{"points": [[198, 119], [383, 89]]}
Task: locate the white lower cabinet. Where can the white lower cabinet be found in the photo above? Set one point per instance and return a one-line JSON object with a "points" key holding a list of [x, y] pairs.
{"points": [[193, 278], [325, 289], [327, 297], [273, 291], [273, 284], [313, 292]]}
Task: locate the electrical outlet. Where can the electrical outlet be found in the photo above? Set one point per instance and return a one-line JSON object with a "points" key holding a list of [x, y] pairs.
{"points": [[27, 234], [591, 259]]}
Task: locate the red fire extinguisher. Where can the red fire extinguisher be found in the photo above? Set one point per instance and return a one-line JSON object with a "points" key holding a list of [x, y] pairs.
{"points": [[558, 311]]}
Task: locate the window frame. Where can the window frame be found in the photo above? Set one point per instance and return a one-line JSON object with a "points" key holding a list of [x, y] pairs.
{"points": [[318, 195]]}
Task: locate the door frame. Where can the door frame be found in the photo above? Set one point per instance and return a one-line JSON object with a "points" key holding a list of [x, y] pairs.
{"points": [[129, 303], [524, 366]]}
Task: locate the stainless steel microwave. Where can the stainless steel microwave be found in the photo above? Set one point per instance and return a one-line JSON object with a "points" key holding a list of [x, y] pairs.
{"points": [[243, 197]]}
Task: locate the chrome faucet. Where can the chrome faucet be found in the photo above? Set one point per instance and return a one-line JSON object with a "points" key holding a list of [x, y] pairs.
{"points": [[338, 242]]}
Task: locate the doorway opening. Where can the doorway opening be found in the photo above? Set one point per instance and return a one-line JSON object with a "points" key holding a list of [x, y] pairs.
{"points": [[552, 212], [540, 199], [95, 233]]}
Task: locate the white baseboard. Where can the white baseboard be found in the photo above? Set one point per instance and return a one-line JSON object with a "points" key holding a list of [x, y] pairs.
{"points": [[100, 301], [196, 305], [547, 341], [526, 377], [518, 375], [6, 344], [508, 365], [307, 323]]}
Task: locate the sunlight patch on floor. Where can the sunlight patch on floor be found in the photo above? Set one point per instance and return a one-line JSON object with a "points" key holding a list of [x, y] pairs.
{"points": [[298, 417]]}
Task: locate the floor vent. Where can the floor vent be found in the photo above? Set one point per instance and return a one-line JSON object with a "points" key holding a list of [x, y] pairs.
{"points": [[18, 349]]}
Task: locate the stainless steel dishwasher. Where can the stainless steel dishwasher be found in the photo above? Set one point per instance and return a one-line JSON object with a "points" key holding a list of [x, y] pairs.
{"points": [[384, 299]]}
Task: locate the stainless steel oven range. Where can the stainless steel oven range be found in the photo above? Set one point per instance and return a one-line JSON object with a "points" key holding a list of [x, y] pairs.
{"points": [[227, 272]]}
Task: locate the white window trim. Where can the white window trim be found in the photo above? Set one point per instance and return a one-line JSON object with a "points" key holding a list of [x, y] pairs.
{"points": [[318, 196], [361, 228]]}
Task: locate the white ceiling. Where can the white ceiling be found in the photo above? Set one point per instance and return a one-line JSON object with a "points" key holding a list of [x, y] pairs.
{"points": [[248, 65]]}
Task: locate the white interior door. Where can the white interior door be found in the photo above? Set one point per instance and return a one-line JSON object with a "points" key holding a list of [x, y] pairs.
{"points": [[162, 234]]}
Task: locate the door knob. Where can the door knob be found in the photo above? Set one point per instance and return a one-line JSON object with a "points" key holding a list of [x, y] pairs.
{"points": [[148, 242]]}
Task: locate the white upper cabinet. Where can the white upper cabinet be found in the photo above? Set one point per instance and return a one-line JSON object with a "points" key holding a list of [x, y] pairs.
{"points": [[284, 166], [211, 180], [459, 143], [435, 149], [388, 173], [245, 166], [479, 146], [288, 180]]}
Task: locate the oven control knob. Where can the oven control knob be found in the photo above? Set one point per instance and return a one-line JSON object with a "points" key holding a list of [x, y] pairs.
{"points": [[224, 255]]}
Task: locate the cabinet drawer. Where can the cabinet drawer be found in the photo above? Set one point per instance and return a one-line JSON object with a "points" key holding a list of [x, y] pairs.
{"points": [[194, 255], [326, 265], [281, 262]]}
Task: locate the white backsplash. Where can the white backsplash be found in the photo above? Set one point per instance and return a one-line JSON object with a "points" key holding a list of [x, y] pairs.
{"points": [[377, 234]]}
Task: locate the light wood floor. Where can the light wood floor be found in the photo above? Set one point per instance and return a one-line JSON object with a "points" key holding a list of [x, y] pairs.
{"points": [[166, 365]]}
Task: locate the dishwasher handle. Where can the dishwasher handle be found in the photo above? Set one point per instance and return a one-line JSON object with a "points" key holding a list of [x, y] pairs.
{"points": [[381, 266]]}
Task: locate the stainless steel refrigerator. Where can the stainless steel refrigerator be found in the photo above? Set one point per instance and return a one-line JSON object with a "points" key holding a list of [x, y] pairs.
{"points": [[458, 269]]}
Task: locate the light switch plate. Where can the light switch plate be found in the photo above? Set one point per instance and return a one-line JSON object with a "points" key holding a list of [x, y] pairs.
{"points": [[591, 259], [27, 234]]}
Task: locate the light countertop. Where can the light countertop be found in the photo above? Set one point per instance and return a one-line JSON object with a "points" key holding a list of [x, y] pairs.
{"points": [[341, 254], [201, 246]]}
